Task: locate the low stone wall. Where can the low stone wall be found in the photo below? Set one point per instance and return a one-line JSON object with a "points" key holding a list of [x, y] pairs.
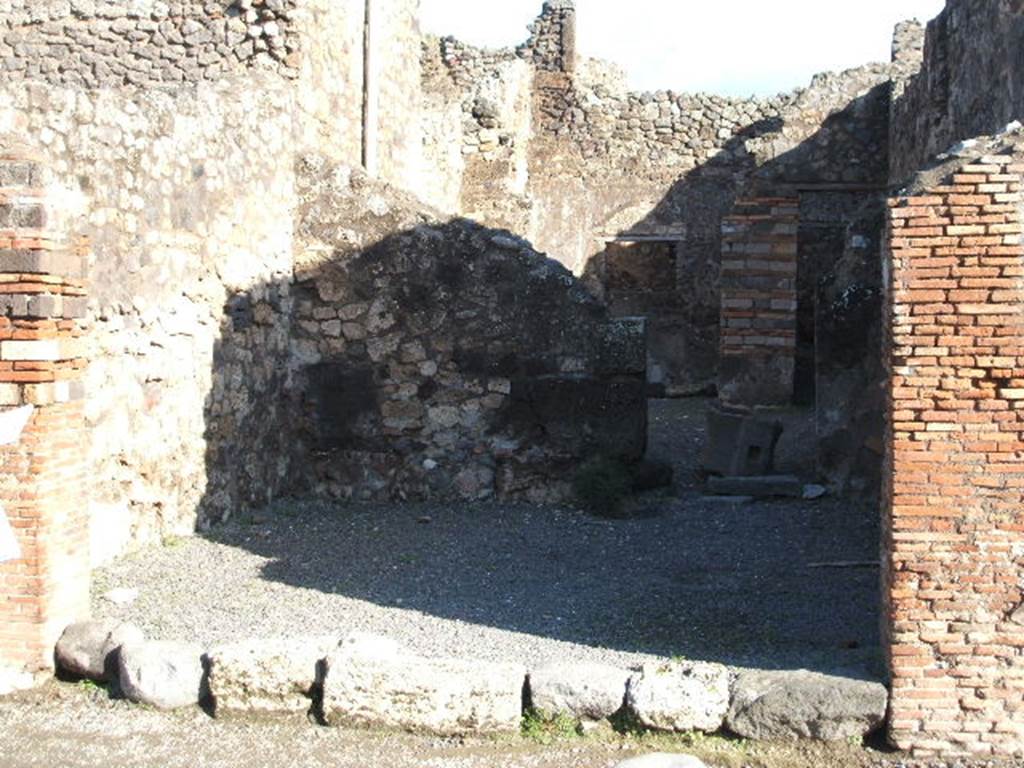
{"points": [[441, 357], [955, 479], [370, 681]]}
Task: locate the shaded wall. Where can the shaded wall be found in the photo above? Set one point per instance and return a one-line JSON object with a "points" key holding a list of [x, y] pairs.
{"points": [[969, 83], [441, 359]]}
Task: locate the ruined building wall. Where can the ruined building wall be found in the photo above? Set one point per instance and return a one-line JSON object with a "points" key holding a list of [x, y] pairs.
{"points": [[400, 146], [605, 164], [953, 529], [968, 85], [111, 43], [176, 202], [178, 125], [439, 358]]}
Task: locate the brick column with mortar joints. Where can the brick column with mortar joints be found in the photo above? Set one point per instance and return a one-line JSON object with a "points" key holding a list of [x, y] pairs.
{"points": [[759, 301], [43, 486], [954, 506]]}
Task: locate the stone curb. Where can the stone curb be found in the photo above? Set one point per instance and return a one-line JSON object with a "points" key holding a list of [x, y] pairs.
{"points": [[373, 682]]}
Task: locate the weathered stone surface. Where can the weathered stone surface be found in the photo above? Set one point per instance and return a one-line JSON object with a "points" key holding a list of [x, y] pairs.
{"points": [[267, 676], [464, 350], [662, 760], [768, 486], [801, 705], [680, 696], [586, 691], [86, 648], [396, 690], [162, 674]]}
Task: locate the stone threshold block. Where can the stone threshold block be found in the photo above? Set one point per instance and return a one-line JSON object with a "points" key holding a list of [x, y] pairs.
{"points": [[392, 689], [765, 487]]}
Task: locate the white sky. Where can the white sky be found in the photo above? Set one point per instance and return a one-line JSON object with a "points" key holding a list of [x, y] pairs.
{"points": [[731, 47]]}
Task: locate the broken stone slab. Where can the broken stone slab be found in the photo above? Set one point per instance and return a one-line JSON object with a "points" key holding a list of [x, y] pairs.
{"points": [[680, 696], [768, 486], [662, 760], [162, 674], [775, 706], [585, 691], [267, 677], [87, 648], [369, 688]]}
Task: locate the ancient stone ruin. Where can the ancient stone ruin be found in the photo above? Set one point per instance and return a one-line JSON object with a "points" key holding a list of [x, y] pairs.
{"points": [[251, 248]]}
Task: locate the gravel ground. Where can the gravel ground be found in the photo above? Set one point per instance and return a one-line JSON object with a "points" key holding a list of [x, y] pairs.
{"points": [[683, 577]]}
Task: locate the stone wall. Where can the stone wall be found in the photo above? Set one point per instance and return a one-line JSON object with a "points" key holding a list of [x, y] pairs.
{"points": [[441, 358], [953, 532], [43, 466], [968, 84], [184, 212], [598, 164], [110, 43], [399, 60]]}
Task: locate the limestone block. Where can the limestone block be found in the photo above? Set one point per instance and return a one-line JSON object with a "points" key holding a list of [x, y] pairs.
{"points": [[684, 696], [267, 676], [443, 696], [162, 674], [585, 691]]}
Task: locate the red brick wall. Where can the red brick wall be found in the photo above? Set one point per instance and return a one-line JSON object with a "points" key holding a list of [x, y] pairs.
{"points": [[758, 289], [42, 478], [955, 523]]}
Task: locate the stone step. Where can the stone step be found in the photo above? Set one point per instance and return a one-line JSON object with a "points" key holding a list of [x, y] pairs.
{"points": [[766, 486]]}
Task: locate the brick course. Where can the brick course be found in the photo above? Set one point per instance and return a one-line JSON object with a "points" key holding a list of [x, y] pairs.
{"points": [[42, 476], [953, 526]]}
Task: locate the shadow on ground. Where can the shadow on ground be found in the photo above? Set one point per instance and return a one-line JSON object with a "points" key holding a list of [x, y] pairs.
{"points": [[699, 579]]}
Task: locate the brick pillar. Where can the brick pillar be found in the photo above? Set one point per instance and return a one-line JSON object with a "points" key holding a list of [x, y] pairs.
{"points": [[954, 513], [42, 478], [758, 290]]}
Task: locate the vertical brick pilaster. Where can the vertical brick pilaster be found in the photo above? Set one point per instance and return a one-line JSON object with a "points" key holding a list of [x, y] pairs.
{"points": [[758, 289], [954, 512], [42, 477]]}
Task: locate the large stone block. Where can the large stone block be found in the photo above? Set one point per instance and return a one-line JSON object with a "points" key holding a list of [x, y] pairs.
{"points": [[267, 677], [443, 696], [804, 705], [86, 649], [684, 696], [585, 691], [740, 443], [162, 674]]}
